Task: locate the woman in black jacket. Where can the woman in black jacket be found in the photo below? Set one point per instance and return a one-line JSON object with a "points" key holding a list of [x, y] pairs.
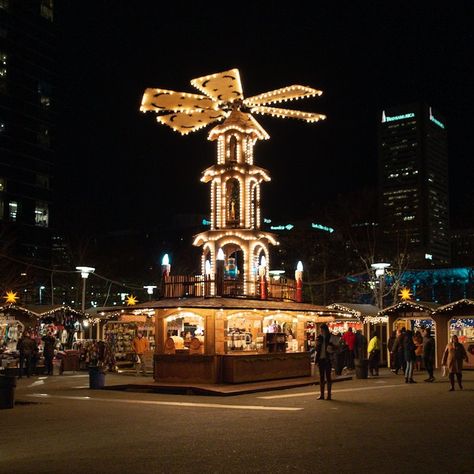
{"points": [[326, 345]]}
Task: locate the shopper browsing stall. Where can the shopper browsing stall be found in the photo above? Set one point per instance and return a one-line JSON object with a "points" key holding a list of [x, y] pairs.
{"points": [[140, 346]]}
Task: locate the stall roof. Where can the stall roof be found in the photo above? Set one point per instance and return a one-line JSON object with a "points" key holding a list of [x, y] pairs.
{"points": [[464, 307], [231, 303], [45, 310], [408, 305], [357, 310], [19, 309]]}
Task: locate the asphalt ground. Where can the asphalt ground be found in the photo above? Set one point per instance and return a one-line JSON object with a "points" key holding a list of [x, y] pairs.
{"points": [[377, 425]]}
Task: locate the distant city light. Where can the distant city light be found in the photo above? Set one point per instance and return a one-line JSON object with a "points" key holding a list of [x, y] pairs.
{"points": [[322, 227], [435, 120], [282, 227]]}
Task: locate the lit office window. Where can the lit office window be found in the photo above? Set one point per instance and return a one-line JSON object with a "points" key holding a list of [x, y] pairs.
{"points": [[3, 71], [46, 9], [2, 126], [44, 94], [13, 210], [2, 184], [41, 214], [44, 137]]}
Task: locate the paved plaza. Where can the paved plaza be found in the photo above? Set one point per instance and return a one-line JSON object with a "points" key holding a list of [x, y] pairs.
{"points": [[377, 425]]}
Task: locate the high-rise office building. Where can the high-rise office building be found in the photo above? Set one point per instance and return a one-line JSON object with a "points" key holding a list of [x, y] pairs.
{"points": [[27, 118], [413, 183]]}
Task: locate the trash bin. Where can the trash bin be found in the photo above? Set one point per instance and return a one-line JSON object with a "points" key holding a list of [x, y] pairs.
{"points": [[96, 377], [362, 368], [7, 391]]}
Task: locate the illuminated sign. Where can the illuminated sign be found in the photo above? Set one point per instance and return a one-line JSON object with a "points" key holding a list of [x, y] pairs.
{"points": [[428, 256], [282, 227], [206, 222], [322, 227], [435, 120], [267, 221], [394, 118]]}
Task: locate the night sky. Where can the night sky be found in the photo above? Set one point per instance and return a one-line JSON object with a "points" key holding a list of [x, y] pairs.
{"points": [[118, 168]]}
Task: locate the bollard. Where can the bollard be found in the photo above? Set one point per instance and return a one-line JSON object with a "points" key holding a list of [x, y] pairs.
{"points": [[362, 368], [7, 391], [96, 377]]}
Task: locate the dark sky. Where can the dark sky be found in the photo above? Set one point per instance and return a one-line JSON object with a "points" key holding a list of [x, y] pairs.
{"points": [[119, 168]]}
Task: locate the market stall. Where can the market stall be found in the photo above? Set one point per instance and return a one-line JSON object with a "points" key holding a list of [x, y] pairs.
{"points": [[239, 340]]}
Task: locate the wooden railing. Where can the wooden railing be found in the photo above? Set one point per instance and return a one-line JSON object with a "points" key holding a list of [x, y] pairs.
{"points": [[179, 286]]}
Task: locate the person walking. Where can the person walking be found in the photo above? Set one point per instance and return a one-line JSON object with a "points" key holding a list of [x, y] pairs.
{"points": [[49, 344], [349, 338], [374, 354], [326, 345], [410, 357], [418, 340], [453, 358], [140, 346], [428, 353], [28, 348], [398, 351]]}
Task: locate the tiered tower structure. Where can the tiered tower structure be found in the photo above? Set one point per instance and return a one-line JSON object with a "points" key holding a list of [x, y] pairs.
{"points": [[234, 180]]}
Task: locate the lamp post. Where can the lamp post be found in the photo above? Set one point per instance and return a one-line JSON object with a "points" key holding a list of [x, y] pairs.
{"points": [[149, 289], [41, 288], [85, 271], [380, 274]]}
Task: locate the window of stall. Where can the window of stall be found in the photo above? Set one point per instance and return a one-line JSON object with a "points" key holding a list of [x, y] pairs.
{"points": [[183, 328], [284, 324], [243, 332]]}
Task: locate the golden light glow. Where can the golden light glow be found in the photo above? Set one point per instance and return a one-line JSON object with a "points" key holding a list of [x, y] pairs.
{"points": [[222, 86], [131, 300], [11, 297], [405, 294], [286, 113], [282, 95]]}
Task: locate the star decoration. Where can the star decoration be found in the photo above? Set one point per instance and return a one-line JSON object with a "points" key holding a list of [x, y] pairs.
{"points": [[11, 297], [405, 294], [131, 300]]}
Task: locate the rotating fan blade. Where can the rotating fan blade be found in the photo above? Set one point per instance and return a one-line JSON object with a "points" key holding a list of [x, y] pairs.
{"points": [[286, 113], [222, 86], [282, 95], [158, 100], [185, 123]]}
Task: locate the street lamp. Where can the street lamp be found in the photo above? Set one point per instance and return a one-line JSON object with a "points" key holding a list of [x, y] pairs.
{"points": [[149, 289], [380, 274], [85, 275], [41, 288]]}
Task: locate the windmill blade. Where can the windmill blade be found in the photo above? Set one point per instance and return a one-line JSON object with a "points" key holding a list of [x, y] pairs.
{"points": [[286, 113], [185, 123], [158, 100], [282, 95], [222, 86]]}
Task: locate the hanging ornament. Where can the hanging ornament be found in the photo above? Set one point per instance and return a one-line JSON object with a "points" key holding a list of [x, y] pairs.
{"points": [[11, 297], [131, 300], [405, 294]]}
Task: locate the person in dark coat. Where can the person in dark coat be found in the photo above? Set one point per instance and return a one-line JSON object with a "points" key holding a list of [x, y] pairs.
{"points": [[410, 356], [360, 348], [49, 344], [428, 353], [28, 349], [398, 351], [326, 346]]}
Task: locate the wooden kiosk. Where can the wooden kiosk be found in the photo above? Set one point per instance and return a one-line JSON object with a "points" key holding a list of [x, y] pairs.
{"points": [[231, 340]]}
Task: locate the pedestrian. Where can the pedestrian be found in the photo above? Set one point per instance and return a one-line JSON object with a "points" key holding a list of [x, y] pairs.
{"points": [[418, 340], [453, 357], [410, 357], [28, 348], [374, 354], [326, 345], [349, 339], [428, 353], [140, 346], [49, 344], [398, 350], [390, 344]]}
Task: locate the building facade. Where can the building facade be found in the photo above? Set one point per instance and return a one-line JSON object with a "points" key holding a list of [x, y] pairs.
{"points": [[27, 117], [413, 184]]}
